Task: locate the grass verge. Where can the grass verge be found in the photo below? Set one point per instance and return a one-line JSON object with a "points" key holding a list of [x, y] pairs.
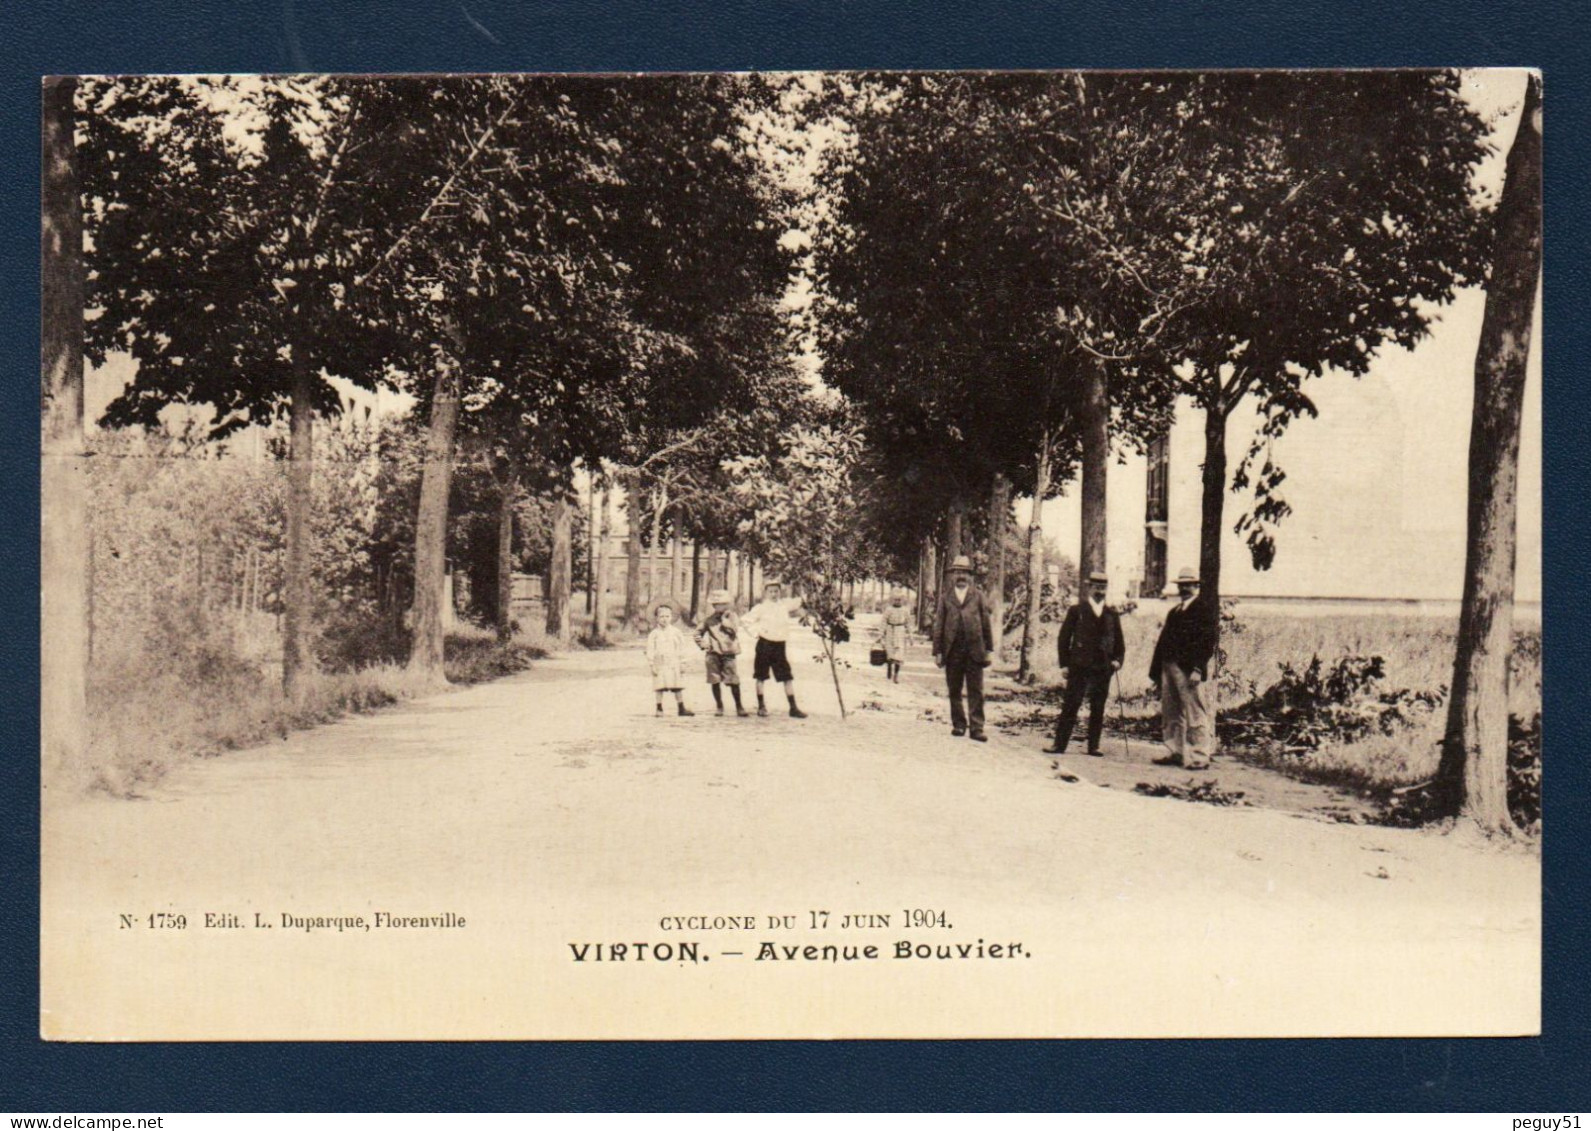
{"points": [[145, 718]]}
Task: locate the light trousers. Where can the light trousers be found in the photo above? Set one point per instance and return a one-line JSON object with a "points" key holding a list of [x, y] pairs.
{"points": [[1185, 723]]}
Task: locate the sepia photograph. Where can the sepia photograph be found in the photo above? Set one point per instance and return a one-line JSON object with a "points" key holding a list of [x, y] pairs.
{"points": [[791, 555]]}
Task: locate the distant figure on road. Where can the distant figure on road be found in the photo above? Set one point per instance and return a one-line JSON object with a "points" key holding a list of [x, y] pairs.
{"points": [[719, 637], [1180, 667], [897, 622], [1091, 649], [666, 649], [769, 621], [963, 646]]}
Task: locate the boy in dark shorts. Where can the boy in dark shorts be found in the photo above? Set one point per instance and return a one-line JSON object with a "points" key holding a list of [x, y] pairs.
{"points": [[769, 621], [719, 637]]}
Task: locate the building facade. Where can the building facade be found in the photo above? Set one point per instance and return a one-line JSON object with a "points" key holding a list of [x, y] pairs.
{"points": [[1378, 483]]}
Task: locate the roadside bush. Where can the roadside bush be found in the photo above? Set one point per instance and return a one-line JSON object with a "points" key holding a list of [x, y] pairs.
{"points": [[358, 635], [1524, 771], [1354, 700], [187, 572], [144, 718], [1319, 705], [475, 655]]}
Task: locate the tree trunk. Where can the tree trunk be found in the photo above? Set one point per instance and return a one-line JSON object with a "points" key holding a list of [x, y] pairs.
{"points": [[655, 592], [696, 578], [1210, 518], [297, 655], [922, 569], [834, 670], [591, 545], [599, 611], [632, 566], [677, 560], [953, 542], [426, 651], [1028, 662], [1472, 778], [1096, 463], [508, 492], [560, 568], [999, 509], [66, 540]]}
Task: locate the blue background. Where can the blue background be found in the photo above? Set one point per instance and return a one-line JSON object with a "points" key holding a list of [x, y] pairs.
{"points": [[1527, 1076]]}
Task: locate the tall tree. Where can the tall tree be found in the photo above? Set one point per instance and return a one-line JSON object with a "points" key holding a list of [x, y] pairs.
{"points": [[1042, 470], [64, 534], [426, 653], [695, 225], [1473, 775], [561, 567], [998, 525], [1294, 223], [603, 523], [512, 278], [948, 288], [234, 221]]}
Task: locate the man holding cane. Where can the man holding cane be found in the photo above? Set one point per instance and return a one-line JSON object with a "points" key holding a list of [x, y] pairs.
{"points": [[1181, 665]]}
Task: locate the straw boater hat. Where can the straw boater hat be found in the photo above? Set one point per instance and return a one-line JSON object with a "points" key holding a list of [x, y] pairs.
{"points": [[962, 564], [1096, 576], [1188, 577], [718, 597]]}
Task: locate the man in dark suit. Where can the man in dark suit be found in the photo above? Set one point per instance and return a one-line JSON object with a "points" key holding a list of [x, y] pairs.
{"points": [[963, 646], [1091, 649], [1181, 667]]}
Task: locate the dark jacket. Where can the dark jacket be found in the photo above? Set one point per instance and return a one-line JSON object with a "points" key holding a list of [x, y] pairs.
{"points": [[1187, 640], [961, 631], [1088, 641]]}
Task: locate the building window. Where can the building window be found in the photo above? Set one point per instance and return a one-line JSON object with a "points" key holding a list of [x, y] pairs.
{"points": [[1156, 515]]}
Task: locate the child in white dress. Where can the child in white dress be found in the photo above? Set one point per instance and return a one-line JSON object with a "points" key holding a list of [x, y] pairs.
{"points": [[666, 649]]}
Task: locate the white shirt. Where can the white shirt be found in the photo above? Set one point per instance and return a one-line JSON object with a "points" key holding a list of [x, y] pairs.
{"points": [[1097, 606], [770, 620]]}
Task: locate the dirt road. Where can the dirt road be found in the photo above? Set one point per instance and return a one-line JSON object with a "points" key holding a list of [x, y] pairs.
{"points": [[551, 812]]}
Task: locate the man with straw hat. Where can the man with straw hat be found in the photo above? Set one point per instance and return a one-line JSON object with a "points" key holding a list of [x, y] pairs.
{"points": [[964, 646], [1091, 649], [1181, 667]]}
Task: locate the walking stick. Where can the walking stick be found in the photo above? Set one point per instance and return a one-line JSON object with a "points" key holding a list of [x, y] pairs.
{"points": [[1121, 717]]}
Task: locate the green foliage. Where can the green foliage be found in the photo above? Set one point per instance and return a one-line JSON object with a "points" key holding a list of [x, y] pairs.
{"points": [[1319, 704], [1524, 770], [1055, 595], [806, 509], [229, 220], [935, 307], [476, 656], [1219, 234], [190, 537], [1206, 791]]}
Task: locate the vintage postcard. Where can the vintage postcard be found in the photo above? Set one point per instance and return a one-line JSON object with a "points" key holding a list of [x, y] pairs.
{"points": [[791, 555]]}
